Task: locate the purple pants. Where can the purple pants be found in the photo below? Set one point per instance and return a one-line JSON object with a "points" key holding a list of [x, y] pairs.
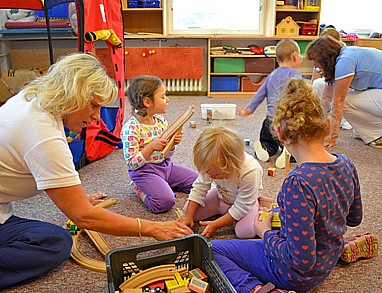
{"points": [[244, 228], [159, 181]]}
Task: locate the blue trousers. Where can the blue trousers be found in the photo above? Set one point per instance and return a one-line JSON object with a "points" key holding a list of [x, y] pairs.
{"points": [[29, 249], [245, 264]]}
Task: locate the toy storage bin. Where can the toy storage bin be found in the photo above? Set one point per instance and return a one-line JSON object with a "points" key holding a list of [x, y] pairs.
{"points": [[219, 111], [224, 65], [224, 84], [307, 28], [260, 65], [150, 3], [132, 3], [192, 251], [251, 86]]}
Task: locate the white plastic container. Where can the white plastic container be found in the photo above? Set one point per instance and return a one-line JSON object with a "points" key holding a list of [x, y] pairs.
{"points": [[219, 111]]}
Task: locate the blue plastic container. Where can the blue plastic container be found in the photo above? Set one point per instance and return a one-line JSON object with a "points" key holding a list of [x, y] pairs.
{"points": [[150, 3], [224, 84]]}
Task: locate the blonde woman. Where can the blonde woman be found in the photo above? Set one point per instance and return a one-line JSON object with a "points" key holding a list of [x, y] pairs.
{"points": [[35, 157], [229, 184]]}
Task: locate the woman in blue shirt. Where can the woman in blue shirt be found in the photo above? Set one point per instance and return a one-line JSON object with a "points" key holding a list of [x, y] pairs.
{"points": [[353, 78]]}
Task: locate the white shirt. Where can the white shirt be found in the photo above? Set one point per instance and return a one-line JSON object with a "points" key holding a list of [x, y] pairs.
{"points": [[34, 153], [242, 192]]}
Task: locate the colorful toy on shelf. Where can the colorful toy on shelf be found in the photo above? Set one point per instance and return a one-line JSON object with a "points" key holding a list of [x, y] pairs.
{"points": [[147, 52], [287, 27]]}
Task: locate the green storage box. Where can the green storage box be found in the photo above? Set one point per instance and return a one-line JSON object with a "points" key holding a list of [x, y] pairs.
{"points": [[227, 65]]}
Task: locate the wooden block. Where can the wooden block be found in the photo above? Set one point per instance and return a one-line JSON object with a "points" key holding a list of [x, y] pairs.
{"points": [[271, 171], [198, 273], [198, 286], [276, 223]]}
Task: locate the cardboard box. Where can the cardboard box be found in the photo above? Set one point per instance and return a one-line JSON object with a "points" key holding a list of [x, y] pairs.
{"points": [[219, 111]]}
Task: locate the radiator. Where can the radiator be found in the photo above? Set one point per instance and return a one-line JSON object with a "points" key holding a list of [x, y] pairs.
{"points": [[183, 85], [180, 85]]}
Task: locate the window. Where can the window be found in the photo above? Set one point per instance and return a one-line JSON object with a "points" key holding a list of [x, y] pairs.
{"points": [[216, 17], [351, 16]]}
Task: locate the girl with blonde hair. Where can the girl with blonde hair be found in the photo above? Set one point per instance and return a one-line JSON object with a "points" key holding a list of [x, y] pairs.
{"points": [[236, 181]]}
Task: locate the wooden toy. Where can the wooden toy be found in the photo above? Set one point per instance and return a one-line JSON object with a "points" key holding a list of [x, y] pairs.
{"points": [[198, 273], [79, 257], [198, 286], [271, 171], [177, 282], [154, 274], [276, 224], [287, 27], [175, 128]]}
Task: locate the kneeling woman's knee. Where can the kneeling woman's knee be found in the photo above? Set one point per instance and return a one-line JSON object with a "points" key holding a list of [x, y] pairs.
{"points": [[60, 243]]}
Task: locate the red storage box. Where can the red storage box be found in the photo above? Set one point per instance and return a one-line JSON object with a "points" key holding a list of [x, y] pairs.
{"points": [[251, 86], [307, 28], [259, 65]]}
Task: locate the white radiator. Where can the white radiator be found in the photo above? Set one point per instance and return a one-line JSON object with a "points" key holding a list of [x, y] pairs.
{"points": [[183, 85], [180, 85]]}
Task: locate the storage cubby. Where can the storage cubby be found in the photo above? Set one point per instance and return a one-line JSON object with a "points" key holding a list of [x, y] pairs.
{"points": [[140, 21], [237, 73]]}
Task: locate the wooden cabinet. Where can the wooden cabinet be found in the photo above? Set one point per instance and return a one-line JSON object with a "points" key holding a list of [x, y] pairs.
{"points": [[307, 14], [140, 22], [234, 74]]}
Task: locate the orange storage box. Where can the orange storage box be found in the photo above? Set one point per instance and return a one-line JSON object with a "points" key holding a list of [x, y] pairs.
{"points": [[251, 86]]}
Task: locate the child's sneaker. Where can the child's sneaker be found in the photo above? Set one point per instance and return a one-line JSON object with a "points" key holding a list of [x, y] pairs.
{"points": [[269, 288], [260, 152], [360, 246], [376, 143], [141, 195], [280, 161]]}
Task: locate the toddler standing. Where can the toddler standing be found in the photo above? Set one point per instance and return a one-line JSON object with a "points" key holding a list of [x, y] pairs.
{"points": [[289, 59], [154, 177]]}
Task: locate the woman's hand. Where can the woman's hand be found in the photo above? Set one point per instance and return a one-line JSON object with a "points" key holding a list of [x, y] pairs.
{"points": [[210, 228], [169, 230], [96, 197], [186, 220], [262, 226]]}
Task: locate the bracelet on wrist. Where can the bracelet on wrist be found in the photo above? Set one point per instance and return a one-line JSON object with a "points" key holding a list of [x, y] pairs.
{"points": [[333, 135], [139, 228]]}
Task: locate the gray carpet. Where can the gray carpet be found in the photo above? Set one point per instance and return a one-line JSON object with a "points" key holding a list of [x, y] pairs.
{"points": [[109, 175]]}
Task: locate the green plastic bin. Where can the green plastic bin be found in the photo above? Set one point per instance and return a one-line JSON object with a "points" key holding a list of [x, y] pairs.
{"points": [[227, 65]]}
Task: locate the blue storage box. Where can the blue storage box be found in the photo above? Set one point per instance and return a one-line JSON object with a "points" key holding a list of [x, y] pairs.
{"points": [[224, 84], [150, 3], [133, 4]]}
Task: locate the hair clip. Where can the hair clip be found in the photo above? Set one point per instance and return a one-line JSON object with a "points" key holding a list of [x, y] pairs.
{"points": [[140, 113]]}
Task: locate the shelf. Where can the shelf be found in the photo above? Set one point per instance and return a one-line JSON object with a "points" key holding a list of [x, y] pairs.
{"points": [[238, 73], [231, 94], [297, 10]]}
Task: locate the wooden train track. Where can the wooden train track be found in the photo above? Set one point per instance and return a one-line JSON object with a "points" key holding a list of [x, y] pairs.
{"points": [[175, 128], [79, 257], [151, 275]]}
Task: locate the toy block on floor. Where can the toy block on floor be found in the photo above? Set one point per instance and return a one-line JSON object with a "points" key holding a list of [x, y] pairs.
{"points": [[271, 171], [276, 223], [198, 273]]}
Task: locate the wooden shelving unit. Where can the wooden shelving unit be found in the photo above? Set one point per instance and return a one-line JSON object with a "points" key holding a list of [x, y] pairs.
{"points": [[141, 22]]}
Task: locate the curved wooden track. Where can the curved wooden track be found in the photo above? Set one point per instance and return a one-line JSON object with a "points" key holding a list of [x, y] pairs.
{"points": [[151, 275], [79, 257]]}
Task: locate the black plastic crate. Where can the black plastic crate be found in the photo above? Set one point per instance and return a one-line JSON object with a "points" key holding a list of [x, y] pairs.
{"points": [[190, 251]]}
